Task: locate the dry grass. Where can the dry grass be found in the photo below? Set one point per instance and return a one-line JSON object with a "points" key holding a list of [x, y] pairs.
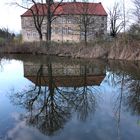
{"points": [[119, 48]]}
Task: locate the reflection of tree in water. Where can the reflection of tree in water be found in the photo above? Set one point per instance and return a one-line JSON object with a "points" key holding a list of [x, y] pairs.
{"points": [[128, 97], [85, 104], [50, 107], [128, 74], [85, 99], [132, 96], [127, 79]]}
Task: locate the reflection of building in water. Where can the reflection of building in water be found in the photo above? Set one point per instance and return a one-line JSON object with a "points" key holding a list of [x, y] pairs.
{"points": [[65, 75]]}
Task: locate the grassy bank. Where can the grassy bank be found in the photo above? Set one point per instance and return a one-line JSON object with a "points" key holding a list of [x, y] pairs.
{"points": [[112, 49]]}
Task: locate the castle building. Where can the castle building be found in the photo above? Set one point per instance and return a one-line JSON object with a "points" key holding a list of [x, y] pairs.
{"points": [[72, 20]]}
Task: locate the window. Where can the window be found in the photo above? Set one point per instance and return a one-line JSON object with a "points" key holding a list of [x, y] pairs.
{"points": [[92, 21], [64, 30], [58, 20], [102, 25], [64, 19], [30, 23], [69, 19], [69, 30], [28, 35], [52, 31], [34, 34], [102, 18], [55, 30]]}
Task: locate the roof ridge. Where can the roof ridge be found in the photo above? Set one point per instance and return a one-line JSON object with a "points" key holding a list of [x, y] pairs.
{"points": [[72, 8]]}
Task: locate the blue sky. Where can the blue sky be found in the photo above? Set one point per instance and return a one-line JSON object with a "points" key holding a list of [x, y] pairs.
{"points": [[10, 15]]}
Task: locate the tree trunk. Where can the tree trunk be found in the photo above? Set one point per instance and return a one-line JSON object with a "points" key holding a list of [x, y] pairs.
{"points": [[40, 37], [49, 21], [49, 30], [85, 37]]}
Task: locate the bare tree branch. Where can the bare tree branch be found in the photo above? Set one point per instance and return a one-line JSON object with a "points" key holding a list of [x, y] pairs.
{"points": [[115, 20]]}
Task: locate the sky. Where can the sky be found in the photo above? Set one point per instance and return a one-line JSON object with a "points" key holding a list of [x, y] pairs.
{"points": [[10, 14]]}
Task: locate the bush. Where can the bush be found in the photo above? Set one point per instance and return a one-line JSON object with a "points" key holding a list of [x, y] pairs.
{"points": [[134, 31], [2, 41]]}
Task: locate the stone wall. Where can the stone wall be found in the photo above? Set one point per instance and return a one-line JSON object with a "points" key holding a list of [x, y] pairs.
{"points": [[65, 28]]}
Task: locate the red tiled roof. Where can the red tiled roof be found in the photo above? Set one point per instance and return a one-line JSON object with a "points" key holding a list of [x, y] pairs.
{"points": [[74, 8]]}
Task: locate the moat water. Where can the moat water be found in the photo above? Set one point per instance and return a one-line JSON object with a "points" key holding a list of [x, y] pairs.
{"points": [[51, 98]]}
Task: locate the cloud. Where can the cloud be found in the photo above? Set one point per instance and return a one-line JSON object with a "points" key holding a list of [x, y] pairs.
{"points": [[23, 132]]}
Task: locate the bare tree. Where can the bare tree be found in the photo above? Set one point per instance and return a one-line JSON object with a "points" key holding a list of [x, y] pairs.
{"points": [[136, 11], [86, 21], [115, 20], [48, 107], [134, 29], [51, 15], [40, 10], [124, 16], [85, 99], [37, 19]]}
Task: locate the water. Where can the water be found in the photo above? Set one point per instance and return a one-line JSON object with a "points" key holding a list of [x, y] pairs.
{"points": [[50, 98]]}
